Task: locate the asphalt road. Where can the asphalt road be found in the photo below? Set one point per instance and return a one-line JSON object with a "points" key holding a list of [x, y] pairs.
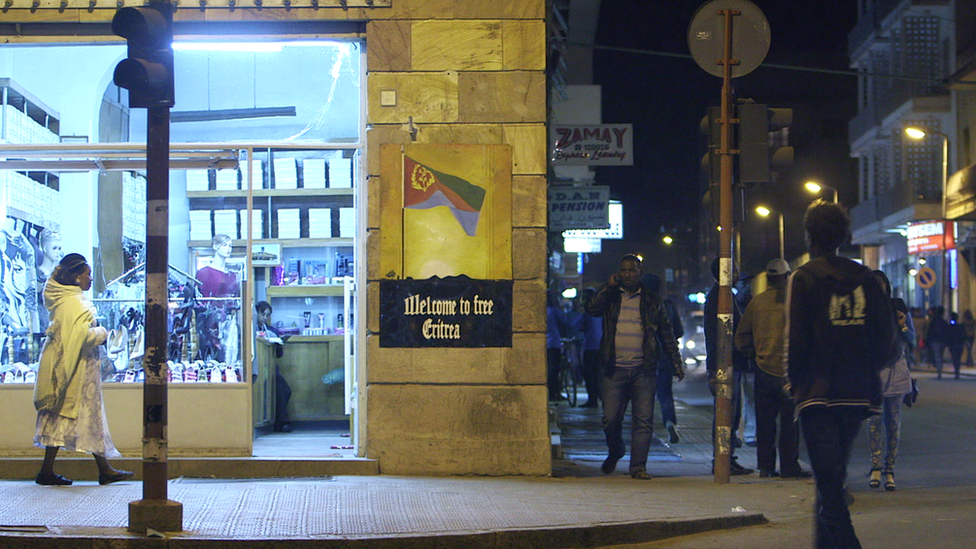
{"points": [[933, 506]]}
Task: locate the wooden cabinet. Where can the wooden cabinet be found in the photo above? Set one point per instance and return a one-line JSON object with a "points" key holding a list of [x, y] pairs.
{"points": [[312, 366]]}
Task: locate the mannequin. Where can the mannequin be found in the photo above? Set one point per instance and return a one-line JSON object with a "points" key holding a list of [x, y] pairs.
{"points": [[49, 243], [215, 278], [217, 326]]}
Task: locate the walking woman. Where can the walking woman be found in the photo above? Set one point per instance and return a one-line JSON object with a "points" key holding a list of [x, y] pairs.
{"points": [[68, 391], [895, 384]]}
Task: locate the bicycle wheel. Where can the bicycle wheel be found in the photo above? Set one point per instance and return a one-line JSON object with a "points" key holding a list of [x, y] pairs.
{"points": [[567, 383]]}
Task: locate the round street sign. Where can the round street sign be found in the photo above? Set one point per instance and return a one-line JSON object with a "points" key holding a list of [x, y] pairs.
{"points": [[925, 277], [750, 36]]}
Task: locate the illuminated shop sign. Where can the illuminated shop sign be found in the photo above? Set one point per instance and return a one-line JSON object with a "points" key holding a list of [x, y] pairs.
{"points": [[928, 236], [615, 215]]}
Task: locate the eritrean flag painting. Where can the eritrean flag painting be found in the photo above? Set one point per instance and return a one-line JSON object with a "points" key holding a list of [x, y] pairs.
{"points": [[424, 188]]}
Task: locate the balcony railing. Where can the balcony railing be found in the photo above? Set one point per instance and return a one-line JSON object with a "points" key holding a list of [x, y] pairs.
{"points": [[863, 123], [861, 32], [892, 201]]}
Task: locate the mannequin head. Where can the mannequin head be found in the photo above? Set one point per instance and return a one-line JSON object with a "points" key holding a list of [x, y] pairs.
{"points": [[222, 245], [50, 244]]}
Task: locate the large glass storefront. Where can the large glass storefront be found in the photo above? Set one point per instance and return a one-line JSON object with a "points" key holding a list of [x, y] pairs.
{"points": [[265, 207]]}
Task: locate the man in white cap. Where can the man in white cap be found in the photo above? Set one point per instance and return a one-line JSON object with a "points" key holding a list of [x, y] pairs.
{"points": [[760, 334]]}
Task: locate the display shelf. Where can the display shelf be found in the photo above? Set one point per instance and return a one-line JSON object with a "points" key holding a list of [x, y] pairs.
{"points": [[285, 242], [305, 290], [315, 339], [272, 193]]}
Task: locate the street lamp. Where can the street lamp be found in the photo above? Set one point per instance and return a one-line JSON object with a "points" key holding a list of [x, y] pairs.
{"points": [[765, 212], [918, 134], [667, 240], [815, 187]]}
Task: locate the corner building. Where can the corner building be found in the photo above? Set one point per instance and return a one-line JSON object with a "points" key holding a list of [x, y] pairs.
{"points": [[292, 125]]}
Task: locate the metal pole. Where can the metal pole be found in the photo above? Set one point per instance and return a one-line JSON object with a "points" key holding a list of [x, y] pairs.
{"points": [[944, 296], [782, 239], [154, 441], [723, 375], [155, 510]]}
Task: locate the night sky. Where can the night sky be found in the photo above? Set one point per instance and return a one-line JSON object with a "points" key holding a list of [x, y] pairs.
{"points": [[666, 97]]}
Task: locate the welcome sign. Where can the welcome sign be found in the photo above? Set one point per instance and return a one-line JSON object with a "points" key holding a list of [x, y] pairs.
{"points": [[455, 311]]}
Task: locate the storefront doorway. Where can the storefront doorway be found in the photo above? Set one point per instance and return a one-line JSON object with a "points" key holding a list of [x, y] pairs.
{"points": [[266, 205]]}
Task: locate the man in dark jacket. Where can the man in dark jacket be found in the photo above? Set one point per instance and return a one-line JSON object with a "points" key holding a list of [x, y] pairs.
{"points": [[840, 328], [635, 328], [664, 391]]}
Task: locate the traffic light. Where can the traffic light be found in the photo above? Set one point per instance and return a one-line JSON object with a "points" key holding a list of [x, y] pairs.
{"points": [[147, 72], [756, 154], [712, 127]]}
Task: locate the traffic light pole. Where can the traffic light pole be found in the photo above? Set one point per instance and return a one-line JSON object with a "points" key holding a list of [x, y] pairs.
{"points": [[723, 375], [155, 510], [147, 73]]}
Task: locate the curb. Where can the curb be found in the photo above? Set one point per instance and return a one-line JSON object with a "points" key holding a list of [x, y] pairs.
{"points": [[554, 537]]}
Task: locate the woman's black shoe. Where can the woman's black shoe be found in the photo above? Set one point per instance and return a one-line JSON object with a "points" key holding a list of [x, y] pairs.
{"points": [[52, 480], [116, 476]]}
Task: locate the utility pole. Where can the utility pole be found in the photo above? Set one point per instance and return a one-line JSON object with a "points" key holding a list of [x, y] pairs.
{"points": [[720, 52]]}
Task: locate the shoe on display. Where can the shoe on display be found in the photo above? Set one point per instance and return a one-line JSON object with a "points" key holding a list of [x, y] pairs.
{"points": [[610, 464], [673, 432], [768, 473], [138, 346], [640, 474], [52, 480]]}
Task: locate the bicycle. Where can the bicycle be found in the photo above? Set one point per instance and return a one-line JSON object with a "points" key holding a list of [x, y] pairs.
{"points": [[569, 368]]}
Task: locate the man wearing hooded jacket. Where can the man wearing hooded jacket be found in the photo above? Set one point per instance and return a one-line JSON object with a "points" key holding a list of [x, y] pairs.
{"points": [[840, 332]]}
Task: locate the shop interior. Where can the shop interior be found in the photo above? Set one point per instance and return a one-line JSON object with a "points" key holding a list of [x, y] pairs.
{"points": [[264, 207]]}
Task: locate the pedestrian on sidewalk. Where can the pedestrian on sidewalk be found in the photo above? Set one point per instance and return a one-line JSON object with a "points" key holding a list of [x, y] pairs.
{"points": [[740, 363], [746, 412], [665, 373], [633, 321], [592, 335], [937, 336], [896, 382], [969, 323], [68, 390], [760, 334], [840, 334], [556, 328], [956, 342]]}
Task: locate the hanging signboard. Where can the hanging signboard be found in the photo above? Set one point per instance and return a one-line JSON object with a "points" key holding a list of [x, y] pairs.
{"points": [[615, 215], [579, 208], [928, 237], [602, 145], [455, 311]]}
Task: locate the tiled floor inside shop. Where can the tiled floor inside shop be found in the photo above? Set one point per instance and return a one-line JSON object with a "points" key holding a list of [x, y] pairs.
{"points": [[314, 439]]}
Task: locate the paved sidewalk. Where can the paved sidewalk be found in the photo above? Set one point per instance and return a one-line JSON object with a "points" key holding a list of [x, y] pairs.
{"points": [[577, 507]]}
